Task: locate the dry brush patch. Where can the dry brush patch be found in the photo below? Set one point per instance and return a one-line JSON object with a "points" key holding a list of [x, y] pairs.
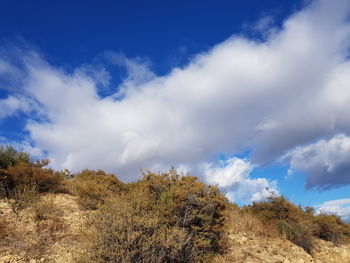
{"points": [[94, 187], [299, 225], [161, 218]]}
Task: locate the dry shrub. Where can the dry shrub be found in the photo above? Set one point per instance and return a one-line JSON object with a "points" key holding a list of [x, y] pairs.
{"points": [[278, 208], [93, 187], [22, 197], [162, 218], [297, 233], [292, 221], [122, 234], [331, 228], [23, 173]]}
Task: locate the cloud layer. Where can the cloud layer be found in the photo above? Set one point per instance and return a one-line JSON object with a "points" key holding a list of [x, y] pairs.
{"points": [[269, 97]]}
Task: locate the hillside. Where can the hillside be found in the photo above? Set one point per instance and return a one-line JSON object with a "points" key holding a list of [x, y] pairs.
{"points": [[91, 216], [45, 242]]}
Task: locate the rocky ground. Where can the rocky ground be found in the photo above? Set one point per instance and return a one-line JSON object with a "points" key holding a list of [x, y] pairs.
{"points": [[55, 238], [251, 248]]}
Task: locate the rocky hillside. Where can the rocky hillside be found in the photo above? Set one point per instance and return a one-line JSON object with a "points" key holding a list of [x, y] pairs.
{"points": [[91, 216], [56, 238]]}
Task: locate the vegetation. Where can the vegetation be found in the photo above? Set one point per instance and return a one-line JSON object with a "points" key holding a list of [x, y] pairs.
{"points": [[166, 217], [9, 156], [161, 218], [93, 188], [300, 225]]}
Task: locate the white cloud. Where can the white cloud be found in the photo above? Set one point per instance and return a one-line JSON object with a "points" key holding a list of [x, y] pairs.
{"points": [[340, 207], [232, 175], [11, 105], [270, 97], [228, 172], [326, 162]]}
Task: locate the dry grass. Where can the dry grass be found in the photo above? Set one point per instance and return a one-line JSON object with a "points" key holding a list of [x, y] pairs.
{"points": [[239, 221], [47, 209], [4, 228], [32, 234], [22, 197]]}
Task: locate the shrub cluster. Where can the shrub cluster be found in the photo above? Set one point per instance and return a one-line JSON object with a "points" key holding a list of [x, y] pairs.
{"points": [[46, 180], [162, 218], [17, 171], [300, 225], [21, 180], [94, 187]]}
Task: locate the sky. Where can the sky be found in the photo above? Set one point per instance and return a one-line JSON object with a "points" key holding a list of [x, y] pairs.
{"points": [[251, 96]]}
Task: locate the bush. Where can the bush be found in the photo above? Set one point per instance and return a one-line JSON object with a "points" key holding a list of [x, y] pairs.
{"points": [[9, 156], [122, 234], [278, 208], [298, 225], [293, 222], [46, 180], [161, 218], [297, 233], [94, 187], [331, 228]]}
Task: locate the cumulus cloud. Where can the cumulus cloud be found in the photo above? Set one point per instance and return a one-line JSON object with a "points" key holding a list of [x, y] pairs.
{"points": [[326, 162], [267, 96], [232, 175], [340, 207]]}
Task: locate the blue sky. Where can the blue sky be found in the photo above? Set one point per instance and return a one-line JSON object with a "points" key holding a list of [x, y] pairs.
{"points": [[247, 95]]}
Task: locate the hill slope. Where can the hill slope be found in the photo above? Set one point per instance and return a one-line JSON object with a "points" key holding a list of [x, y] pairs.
{"points": [[56, 238]]}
